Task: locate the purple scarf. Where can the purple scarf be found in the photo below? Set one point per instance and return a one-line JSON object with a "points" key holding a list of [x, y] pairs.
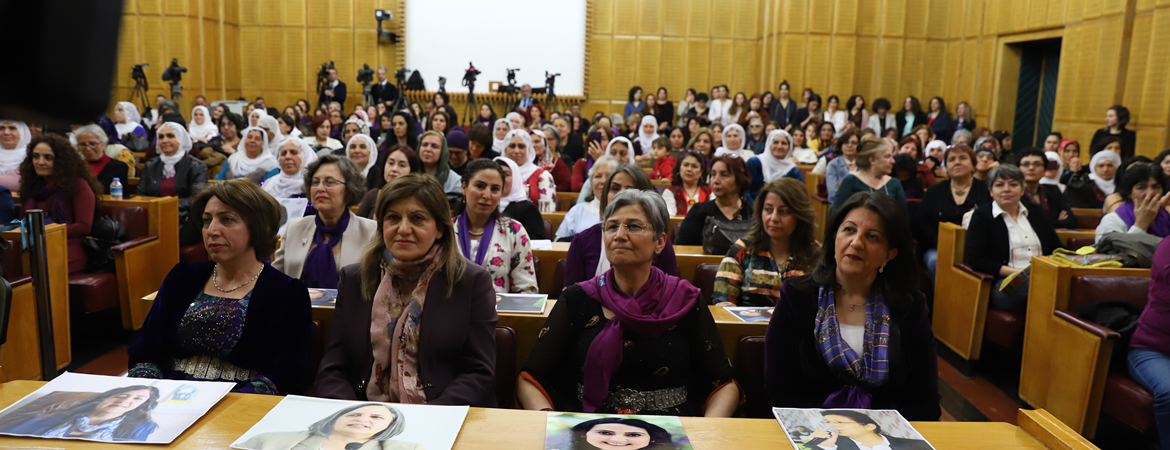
{"points": [[1160, 227], [57, 206], [661, 302], [864, 370], [484, 241], [320, 267]]}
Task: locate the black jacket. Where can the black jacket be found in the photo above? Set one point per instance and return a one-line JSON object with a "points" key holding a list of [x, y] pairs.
{"points": [[338, 94], [987, 237], [384, 94], [190, 179], [1056, 204], [900, 118], [938, 205], [783, 116], [113, 169], [1128, 141]]}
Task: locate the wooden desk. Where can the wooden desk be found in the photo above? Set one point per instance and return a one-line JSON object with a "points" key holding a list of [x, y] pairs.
{"points": [[688, 256], [559, 216], [21, 355], [488, 428]]}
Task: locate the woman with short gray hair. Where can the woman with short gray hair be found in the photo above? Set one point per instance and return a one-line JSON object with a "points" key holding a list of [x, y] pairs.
{"points": [[380, 423], [661, 332], [1004, 236], [91, 142]]}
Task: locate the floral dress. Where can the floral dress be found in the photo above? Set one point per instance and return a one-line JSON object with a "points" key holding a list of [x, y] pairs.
{"points": [[509, 259], [546, 188]]}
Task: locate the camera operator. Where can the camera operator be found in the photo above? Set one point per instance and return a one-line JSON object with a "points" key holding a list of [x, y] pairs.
{"points": [[526, 99], [383, 91], [333, 90]]}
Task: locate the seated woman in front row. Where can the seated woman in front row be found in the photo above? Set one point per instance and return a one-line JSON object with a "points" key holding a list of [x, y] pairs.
{"points": [[1143, 210], [254, 163], [645, 342], [316, 247], [248, 324], [1003, 237], [856, 332], [489, 240], [444, 358], [779, 245], [587, 255]]}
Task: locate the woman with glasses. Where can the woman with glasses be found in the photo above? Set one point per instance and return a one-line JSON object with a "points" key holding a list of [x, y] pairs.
{"points": [[986, 156], [315, 248], [655, 351], [1034, 163], [91, 142]]}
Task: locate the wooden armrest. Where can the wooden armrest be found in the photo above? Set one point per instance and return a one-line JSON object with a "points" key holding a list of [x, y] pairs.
{"points": [[973, 272], [1096, 330], [133, 243], [20, 281]]}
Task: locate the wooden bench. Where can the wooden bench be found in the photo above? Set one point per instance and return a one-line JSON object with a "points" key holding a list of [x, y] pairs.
{"points": [[21, 354]]}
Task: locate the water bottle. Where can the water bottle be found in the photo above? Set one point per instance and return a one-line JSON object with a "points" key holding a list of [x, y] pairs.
{"points": [[116, 190]]}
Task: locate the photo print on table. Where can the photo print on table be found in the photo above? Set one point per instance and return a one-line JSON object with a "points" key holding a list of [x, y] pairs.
{"points": [[313, 423], [112, 409], [751, 313], [577, 431], [848, 429]]}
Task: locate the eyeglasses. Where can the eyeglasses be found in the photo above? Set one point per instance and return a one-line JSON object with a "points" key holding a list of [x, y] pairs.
{"points": [[89, 144], [631, 228], [328, 182], [1033, 164]]}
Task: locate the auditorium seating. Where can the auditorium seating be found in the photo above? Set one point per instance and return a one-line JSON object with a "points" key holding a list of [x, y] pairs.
{"points": [[20, 355], [705, 280], [505, 384], [142, 262], [1088, 218], [961, 317], [1066, 364], [548, 230], [749, 373]]}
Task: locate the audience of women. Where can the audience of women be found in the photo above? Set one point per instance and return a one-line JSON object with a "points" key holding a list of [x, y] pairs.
{"points": [[843, 163], [538, 183], [688, 184], [56, 180], [362, 150], [1116, 118], [1034, 164], [384, 348], [1150, 344], [875, 161], [488, 239], [1004, 236], [1091, 191], [734, 141], [322, 138], [294, 158], [544, 142], [773, 164], [432, 152], [201, 128], [254, 163], [779, 245], [14, 140], [317, 247], [174, 173], [948, 201], [651, 350], [396, 161], [587, 255], [249, 324], [729, 184], [582, 216], [856, 333], [127, 120], [514, 201], [1143, 210], [909, 117], [91, 142]]}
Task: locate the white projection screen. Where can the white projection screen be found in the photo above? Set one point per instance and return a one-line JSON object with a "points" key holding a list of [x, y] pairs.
{"points": [[442, 36]]}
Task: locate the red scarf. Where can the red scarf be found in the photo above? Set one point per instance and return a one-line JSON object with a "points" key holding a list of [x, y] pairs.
{"points": [[96, 167]]}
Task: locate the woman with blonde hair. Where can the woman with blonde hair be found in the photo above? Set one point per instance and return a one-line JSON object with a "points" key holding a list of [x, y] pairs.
{"points": [[875, 161]]}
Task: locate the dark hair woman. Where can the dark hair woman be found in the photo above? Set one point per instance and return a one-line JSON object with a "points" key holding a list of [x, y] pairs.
{"points": [[117, 415], [487, 115], [1143, 208], [856, 332], [635, 102], [779, 245], [377, 424], [949, 200], [396, 161], [55, 179], [481, 231], [1116, 118], [860, 431], [610, 432], [811, 112], [669, 335], [910, 116], [882, 119], [729, 184], [688, 183], [443, 359], [939, 119], [233, 318], [783, 109]]}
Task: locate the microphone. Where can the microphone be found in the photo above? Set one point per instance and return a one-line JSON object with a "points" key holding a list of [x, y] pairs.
{"points": [[353, 446]]}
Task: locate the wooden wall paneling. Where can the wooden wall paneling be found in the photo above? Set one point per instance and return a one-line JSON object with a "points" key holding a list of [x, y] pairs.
{"points": [[175, 7], [150, 7], [745, 67], [297, 77], [816, 73], [1056, 11], [209, 9], [194, 81], [956, 20], [292, 13], [939, 18], [1156, 93], [674, 69], [340, 14], [1038, 14], [231, 11], [917, 16], [1144, 5], [341, 44], [952, 69], [251, 65], [212, 60], [722, 66], [698, 65], [624, 52], [1074, 11], [792, 48], [934, 71], [890, 70], [820, 17], [273, 68], [674, 20], [845, 17], [625, 17], [795, 16], [271, 12], [363, 18], [841, 67], [894, 18], [601, 67], [865, 69], [1136, 72], [1065, 91], [176, 38], [699, 19], [1019, 17], [1001, 16], [249, 12], [231, 60], [650, 17], [723, 19], [152, 49], [1108, 64], [648, 63], [968, 68], [601, 11], [1150, 141], [913, 67], [316, 13], [985, 77], [974, 19], [128, 51], [748, 15]]}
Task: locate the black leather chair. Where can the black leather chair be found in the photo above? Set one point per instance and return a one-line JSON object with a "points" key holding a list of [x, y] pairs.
{"points": [[505, 367], [705, 280], [749, 372]]}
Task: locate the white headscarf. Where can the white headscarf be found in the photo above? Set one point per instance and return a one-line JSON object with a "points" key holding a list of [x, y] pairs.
{"points": [[933, 145], [723, 150], [284, 185], [363, 127], [10, 158], [629, 149], [371, 161], [258, 111], [241, 165], [277, 138], [184, 147], [207, 130], [646, 141], [130, 112], [527, 168], [1106, 186], [365, 118], [513, 113], [498, 145], [517, 194], [773, 167], [1055, 181]]}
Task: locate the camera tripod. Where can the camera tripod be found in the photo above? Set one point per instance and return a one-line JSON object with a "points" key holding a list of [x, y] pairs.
{"points": [[367, 97], [177, 95], [140, 92]]}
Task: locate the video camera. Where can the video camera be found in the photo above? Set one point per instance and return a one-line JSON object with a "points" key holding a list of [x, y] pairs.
{"points": [[364, 75], [174, 72], [400, 75], [442, 84], [512, 76], [323, 74], [138, 75], [470, 74]]}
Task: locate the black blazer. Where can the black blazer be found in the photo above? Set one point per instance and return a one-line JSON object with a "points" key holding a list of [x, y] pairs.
{"points": [[190, 179], [784, 116], [938, 206], [338, 94], [900, 119], [987, 237], [796, 375], [456, 350], [114, 169], [1056, 204], [384, 94]]}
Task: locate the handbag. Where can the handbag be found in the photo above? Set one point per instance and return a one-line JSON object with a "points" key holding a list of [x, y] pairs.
{"points": [[719, 234], [99, 245], [135, 142]]}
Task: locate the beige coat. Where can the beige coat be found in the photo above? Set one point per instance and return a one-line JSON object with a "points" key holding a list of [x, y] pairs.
{"points": [[303, 440], [298, 238]]}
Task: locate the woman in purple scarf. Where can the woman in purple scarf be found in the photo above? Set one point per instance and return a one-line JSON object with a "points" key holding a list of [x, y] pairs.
{"points": [[654, 352], [855, 334], [1144, 210]]}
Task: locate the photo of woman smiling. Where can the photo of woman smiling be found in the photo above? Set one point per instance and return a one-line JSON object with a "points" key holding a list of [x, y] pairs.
{"points": [[615, 432], [370, 425], [120, 414]]}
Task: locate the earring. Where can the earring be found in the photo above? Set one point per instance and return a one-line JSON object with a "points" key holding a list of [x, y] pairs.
{"points": [[882, 268]]}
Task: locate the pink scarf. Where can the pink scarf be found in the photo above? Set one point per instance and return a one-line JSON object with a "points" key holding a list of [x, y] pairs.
{"points": [[395, 330]]}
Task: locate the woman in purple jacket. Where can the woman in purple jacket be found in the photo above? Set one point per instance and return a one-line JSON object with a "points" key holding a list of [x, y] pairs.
{"points": [[1149, 348]]}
